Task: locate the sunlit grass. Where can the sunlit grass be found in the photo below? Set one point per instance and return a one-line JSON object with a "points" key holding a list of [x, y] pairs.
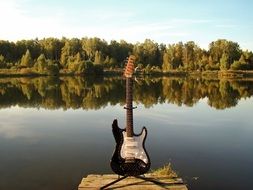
{"points": [[166, 170]]}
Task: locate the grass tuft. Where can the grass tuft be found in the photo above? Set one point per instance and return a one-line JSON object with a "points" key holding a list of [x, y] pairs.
{"points": [[165, 170]]}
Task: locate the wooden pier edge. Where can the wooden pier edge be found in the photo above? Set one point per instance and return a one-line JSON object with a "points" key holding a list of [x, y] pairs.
{"points": [[95, 181]]}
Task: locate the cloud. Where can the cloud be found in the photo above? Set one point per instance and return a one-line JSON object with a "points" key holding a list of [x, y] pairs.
{"points": [[247, 45], [180, 21], [18, 24], [26, 19], [134, 31], [24, 23], [13, 123], [226, 26], [109, 15], [12, 131]]}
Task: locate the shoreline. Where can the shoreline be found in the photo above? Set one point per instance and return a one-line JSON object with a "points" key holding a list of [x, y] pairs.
{"points": [[229, 74]]}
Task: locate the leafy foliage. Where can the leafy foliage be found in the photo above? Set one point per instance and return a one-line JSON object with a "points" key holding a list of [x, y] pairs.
{"points": [[71, 55], [26, 60]]}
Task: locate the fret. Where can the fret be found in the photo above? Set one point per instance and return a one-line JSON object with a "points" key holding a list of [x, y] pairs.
{"points": [[129, 107], [129, 95]]}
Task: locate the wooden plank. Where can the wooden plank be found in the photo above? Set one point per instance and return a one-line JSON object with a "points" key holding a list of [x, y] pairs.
{"points": [[94, 182]]}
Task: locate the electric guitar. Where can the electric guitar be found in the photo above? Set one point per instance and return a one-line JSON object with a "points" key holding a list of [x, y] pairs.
{"points": [[130, 156]]}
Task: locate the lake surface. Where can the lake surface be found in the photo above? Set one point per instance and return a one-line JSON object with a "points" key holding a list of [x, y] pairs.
{"points": [[54, 131]]}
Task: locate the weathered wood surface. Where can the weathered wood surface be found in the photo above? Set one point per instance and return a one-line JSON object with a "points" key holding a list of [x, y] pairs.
{"points": [[93, 182]]}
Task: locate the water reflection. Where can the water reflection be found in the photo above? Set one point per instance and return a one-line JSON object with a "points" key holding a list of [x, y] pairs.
{"points": [[95, 93], [46, 142]]}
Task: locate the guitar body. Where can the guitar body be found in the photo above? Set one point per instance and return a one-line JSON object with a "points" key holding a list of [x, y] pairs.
{"points": [[129, 157]]}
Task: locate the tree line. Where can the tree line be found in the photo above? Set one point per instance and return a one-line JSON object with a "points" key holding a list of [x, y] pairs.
{"points": [[92, 55], [96, 93]]}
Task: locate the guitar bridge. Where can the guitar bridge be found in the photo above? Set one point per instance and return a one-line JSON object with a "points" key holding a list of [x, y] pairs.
{"points": [[130, 160]]}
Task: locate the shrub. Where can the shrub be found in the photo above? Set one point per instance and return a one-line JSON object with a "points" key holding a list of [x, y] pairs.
{"points": [[237, 65]]}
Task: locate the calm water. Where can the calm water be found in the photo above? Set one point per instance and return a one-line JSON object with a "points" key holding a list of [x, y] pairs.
{"points": [[55, 131]]}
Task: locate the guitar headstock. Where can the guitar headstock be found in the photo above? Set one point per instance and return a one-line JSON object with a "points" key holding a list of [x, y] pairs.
{"points": [[129, 69]]}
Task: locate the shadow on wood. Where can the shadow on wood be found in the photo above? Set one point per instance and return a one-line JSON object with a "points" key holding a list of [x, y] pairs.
{"points": [[151, 182]]}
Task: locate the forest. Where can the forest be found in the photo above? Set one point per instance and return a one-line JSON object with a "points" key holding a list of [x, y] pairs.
{"points": [[52, 56]]}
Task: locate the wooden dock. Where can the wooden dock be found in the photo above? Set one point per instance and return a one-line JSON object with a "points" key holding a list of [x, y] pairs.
{"points": [[93, 182]]}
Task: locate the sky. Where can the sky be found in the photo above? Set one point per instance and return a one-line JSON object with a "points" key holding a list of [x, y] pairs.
{"points": [[164, 21]]}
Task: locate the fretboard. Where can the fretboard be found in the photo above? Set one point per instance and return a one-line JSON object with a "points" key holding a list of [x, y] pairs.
{"points": [[129, 107]]}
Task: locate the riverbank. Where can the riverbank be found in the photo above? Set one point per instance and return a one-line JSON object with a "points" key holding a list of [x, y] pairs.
{"points": [[119, 72], [228, 74]]}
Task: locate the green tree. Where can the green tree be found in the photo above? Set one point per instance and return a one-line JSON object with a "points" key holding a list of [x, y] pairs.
{"points": [[51, 48], [84, 67], [242, 59], [241, 64], [2, 62], [69, 50], [41, 64], [46, 66], [210, 61], [98, 58], [106, 61], [148, 53], [203, 62], [112, 62], [8, 50], [224, 64], [26, 60], [52, 68], [186, 56], [74, 62], [176, 52], [91, 45], [167, 62], [221, 46]]}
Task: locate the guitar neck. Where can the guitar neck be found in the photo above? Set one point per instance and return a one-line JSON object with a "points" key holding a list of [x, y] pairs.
{"points": [[129, 107]]}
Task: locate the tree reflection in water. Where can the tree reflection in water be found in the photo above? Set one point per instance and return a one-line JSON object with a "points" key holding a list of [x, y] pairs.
{"points": [[95, 93]]}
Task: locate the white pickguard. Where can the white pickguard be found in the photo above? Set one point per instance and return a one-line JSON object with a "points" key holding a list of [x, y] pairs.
{"points": [[132, 147]]}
